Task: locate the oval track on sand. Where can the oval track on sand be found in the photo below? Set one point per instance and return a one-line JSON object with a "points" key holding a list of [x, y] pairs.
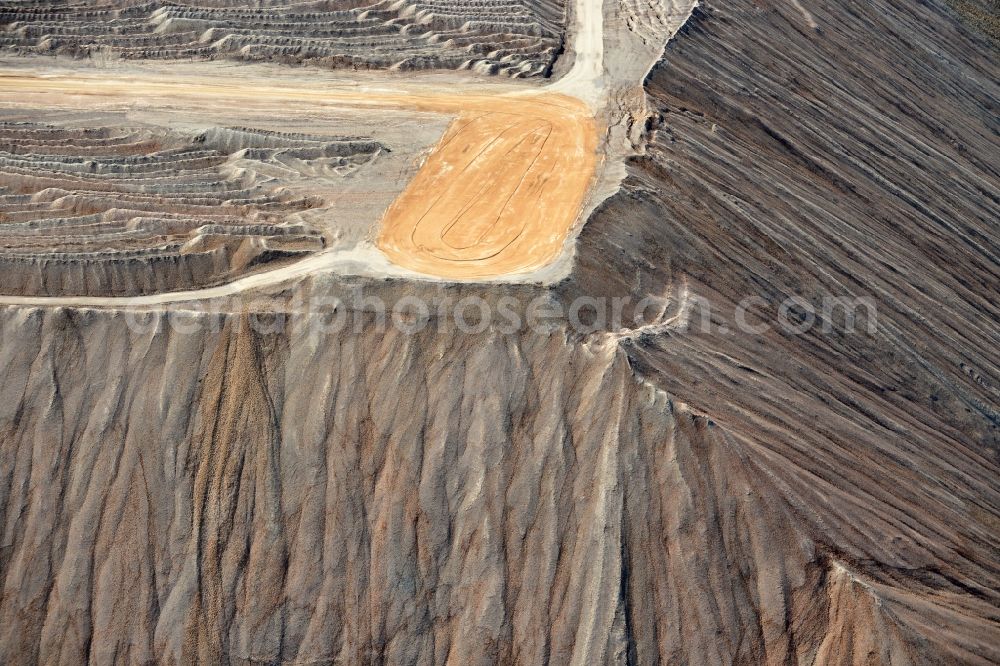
{"points": [[498, 195]]}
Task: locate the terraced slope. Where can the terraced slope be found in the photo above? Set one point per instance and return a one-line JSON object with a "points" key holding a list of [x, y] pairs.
{"points": [[128, 211], [516, 38]]}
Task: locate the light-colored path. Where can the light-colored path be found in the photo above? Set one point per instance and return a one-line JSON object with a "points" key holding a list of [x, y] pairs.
{"points": [[585, 78], [497, 196]]}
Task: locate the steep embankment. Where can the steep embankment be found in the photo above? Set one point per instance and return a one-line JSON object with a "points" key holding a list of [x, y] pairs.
{"points": [[131, 211], [656, 496], [855, 159], [249, 496]]}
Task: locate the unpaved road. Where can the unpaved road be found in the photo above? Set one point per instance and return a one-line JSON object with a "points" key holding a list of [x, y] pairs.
{"points": [[498, 195]]}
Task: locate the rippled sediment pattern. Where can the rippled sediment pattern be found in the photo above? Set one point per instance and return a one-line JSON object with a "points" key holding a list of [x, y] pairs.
{"points": [[853, 159], [129, 211], [517, 38]]}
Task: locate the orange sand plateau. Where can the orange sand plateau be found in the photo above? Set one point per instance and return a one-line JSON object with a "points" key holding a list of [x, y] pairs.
{"points": [[498, 195]]}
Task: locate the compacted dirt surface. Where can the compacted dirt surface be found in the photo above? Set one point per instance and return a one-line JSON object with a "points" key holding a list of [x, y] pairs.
{"points": [[497, 195], [500, 193]]}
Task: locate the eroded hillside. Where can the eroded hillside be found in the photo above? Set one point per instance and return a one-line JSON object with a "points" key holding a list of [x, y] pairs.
{"points": [[673, 493]]}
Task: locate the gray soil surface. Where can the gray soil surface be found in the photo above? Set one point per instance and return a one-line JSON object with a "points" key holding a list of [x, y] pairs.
{"points": [[671, 492]]}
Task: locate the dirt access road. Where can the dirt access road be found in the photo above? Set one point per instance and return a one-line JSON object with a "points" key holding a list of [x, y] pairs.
{"points": [[497, 195], [504, 187]]}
